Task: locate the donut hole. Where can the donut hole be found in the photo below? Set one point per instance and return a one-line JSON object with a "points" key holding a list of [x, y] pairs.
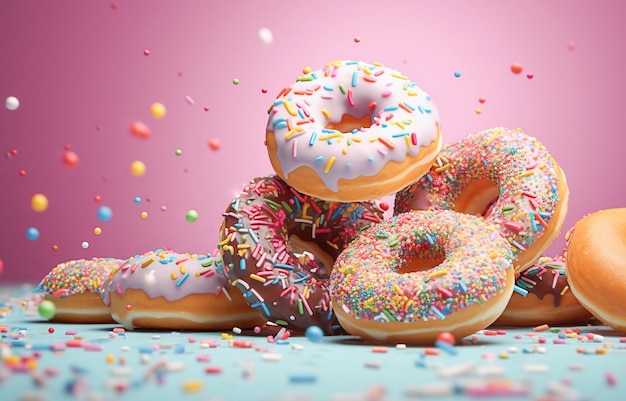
{"points": [[421, 264], [311, 254], [349, 123], [477, 198]]}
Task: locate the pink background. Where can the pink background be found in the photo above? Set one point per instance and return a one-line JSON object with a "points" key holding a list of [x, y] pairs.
{"points": [[80, 73]]}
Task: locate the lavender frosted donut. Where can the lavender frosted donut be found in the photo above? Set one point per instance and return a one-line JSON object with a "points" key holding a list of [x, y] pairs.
{"points": [[169, 290], [352, 131], [279, 246]]}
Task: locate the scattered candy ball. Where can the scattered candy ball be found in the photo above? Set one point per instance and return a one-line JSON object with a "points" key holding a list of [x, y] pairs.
{"points": [[192, 215], [158, 110], [516, 68], [39, 202], [357, 39], [479, 110], [263, 90], [482, 100], [457, 74], [529, 76], [22, 173], [446, 337], [146, 52], [236, 81], [140, 130], [47, 309], [178, 152], [85, 245], [97, 198], [97, 231], [314, 334], [163, 208], [571, 45], [144, 215], [32, 233], [266, 36], [1, 266], [214, 144], [50, 330], [105, 214], [12, 103], [137, 168], [136, 200], [55, 247], [70, 159]]}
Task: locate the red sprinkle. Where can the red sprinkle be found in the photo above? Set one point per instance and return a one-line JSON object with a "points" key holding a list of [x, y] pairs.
{"points": [[213, 370]]}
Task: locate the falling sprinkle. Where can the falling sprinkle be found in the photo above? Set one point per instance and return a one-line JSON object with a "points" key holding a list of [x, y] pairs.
{"points": [[266, 36], [12, 103]]}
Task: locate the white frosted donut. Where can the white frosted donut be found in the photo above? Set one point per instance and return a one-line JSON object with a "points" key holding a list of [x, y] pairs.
{"points": [[169, 290], [352, 131], [411, 277]]}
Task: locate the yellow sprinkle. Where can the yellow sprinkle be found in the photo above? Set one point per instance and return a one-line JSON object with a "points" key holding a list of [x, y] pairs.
{"points": [[305, 292], [399, 76], [398, 123], [226, 336], [332, 244], [378, 64], [225, 240], [182, 270], [503, 355], [242, 253], [442, 168], [192, 385], [229, 248], [330, 163], [526, 174], [493, 255], [289, 108], [330, 136], [491, 139], [571, 335], [293, 132], [344, 151], [243, 246], [326, 114], [564, 290], [257, 278], [601, 351], [368, 72], [147, 262], [374, 139], [438, 273], [398, 289], [411, 93], [409, 144], [110, 358], [305, 209], [174, 276], [356, 140], [408, 305]]}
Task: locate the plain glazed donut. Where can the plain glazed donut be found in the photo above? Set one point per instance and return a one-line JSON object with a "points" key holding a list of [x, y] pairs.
{"points": [[352, 132], [542, 296], [504, 175], [596, 262], [279, 246], [384, 286], [75, 288], [176, 291]]}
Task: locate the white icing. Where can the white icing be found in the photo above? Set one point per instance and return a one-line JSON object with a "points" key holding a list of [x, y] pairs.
{"points": [[402, 114]]}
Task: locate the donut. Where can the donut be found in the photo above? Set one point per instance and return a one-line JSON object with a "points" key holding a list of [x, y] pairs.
{"points": [[507, 177], [163, 289], [279, 246], [418, 274], [352, 131], [75, 288], [542, 296], [596, 262]]}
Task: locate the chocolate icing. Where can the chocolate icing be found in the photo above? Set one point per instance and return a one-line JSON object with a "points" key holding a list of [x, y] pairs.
{"points": [[539, 279], [278, 246]]}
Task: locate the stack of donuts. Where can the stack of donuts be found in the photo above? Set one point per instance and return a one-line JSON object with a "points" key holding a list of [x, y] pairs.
{"points": [[310, 245]]}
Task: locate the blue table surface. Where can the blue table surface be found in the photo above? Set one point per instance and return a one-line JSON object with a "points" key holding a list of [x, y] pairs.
{"points": [[512, 363]]}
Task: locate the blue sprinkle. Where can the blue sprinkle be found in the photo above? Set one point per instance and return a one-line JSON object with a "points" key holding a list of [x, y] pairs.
{"points": [[182, 280], [302, 379], [242, 264], [354, 78], [312, 138], [520, 290]]}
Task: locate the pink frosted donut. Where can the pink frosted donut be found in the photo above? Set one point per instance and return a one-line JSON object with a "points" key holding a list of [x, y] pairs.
{"points": [[169, 290], [279, 246], [504, 175], [352, 131], [411, 277]]}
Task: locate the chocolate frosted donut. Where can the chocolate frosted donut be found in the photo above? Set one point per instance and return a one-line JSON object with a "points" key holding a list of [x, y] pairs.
{"points": [[542, 296], [279, 246]]}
